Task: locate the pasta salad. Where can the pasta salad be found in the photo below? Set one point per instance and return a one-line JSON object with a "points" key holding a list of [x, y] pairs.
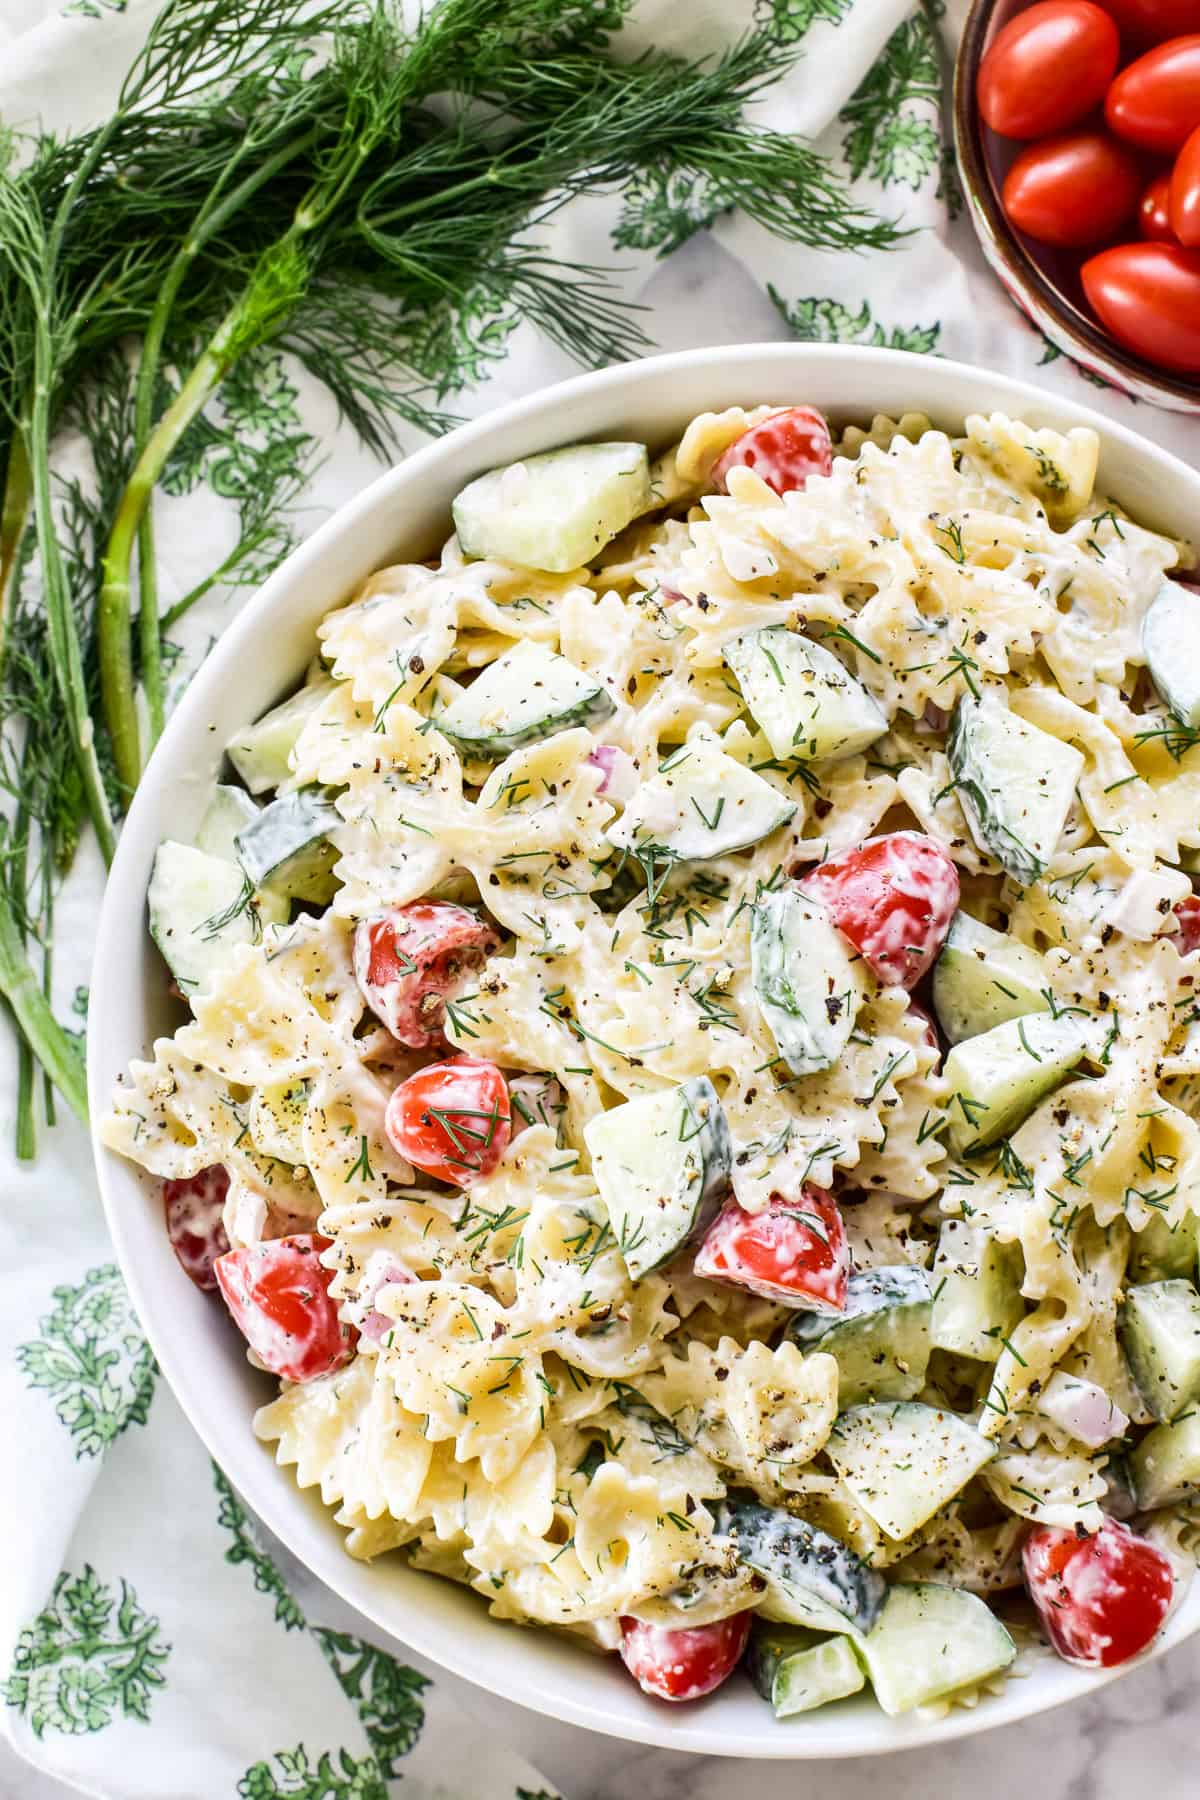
{"points": [[693, 1057]]}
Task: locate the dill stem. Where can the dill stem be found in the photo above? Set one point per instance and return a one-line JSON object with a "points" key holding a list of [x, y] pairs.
{"points": [[62, 629], [214, 215], [49, 1042], [17, 876], [14, 513], [114, 640]]}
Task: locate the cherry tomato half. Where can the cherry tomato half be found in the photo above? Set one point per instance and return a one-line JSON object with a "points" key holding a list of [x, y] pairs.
{"points": [[451, 1119], [195, 1222], [1187, 911], [1148, 297], [409, 960], [1154, 213], [687, 1664], [1072, 190], [1145, 22], [1155, 102], [784, 450], [794, 1251], [894, 898], [1101, 1599], [278, 1294], [1048, 68], [1185, 193]]}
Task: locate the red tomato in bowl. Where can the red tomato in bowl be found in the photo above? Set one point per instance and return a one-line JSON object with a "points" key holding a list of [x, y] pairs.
{"points": [[794, 1251], [1155, 102], [785, 449], [686, 1664], [1146, 22], [1187, 911], [1185, 193], [1148, 297], [452, 1119], [409, 960], [1075, 189], [1047, 68], [1154, 213], [1101, 1599], [278, 1294], [894, 898], [195, 1209]]}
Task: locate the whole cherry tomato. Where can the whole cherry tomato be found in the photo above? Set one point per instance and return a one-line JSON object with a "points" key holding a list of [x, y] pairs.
{"points": [[1072, 190], [687, 1664], [278, 1294], [1154, 213], [195, 1222], [794, 1251], [1185, 193], [1048, 68], [1148, 297], [1145, 22], [1101, 1599], [452, 1119], [894, 898], [1187, 911], [409, 960], [1155, 102], [785, 449]]}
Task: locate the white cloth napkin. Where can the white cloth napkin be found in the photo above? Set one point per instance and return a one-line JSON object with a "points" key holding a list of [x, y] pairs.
{"points": [[149, 1641]]}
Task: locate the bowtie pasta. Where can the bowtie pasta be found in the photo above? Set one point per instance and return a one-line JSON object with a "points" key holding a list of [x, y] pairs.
{"points": [[693, 1062]]}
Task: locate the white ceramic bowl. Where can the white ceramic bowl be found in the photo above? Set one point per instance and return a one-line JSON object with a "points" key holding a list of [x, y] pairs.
{"points": [[402, 515]]}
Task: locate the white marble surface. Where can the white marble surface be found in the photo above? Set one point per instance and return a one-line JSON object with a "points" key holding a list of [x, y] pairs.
{"points": [[1135, 1738]]}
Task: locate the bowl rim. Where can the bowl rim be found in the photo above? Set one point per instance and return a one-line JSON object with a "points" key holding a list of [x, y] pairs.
{"points": [[988, 216], [121, 948]]}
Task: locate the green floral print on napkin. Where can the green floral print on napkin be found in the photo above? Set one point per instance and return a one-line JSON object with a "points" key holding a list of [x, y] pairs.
{"points": [[296, 1778], [87, 1659], [893, 117], [92, 1359], [245, 1548], [817, 321]]}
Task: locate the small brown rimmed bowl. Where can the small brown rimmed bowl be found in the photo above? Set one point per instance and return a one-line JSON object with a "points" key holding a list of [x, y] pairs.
{"points": [[1043, 282]]}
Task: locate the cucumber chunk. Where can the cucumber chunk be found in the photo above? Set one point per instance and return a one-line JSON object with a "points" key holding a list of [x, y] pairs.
{"points": [[1171, 646], [929, 1641], [1159, 1327], [555, 511], [1016, 784], [811, 1578], [527, 694], [1165, 1467], [881, 1341], [976, 1291], [806, 703], [285, 847], [261, 752], [200, 907], [902, 1462], [797, 1671], [1160, 1251], [808, 981], [229, 811], [701, 803], [983, 978], [661, 1163], [997, 1078]]}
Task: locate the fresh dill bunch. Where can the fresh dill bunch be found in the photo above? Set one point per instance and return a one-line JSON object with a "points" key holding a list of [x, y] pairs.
{"points": [[363, 193]]}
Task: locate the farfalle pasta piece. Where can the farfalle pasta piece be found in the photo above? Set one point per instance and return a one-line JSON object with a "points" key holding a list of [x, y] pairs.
{"points": [[761, 1415], [347, 1434], [452, 1357]]}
